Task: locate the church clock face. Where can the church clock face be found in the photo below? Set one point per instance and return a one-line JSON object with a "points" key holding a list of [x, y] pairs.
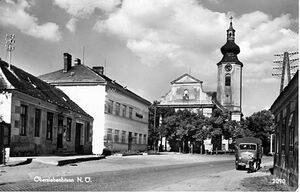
{"points": [[228, 67]]}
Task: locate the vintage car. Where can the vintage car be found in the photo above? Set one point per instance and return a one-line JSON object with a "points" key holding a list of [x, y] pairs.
{"points": [[248, 153]]}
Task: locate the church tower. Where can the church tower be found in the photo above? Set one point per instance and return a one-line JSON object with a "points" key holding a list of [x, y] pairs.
{"points": [[229, 90]]}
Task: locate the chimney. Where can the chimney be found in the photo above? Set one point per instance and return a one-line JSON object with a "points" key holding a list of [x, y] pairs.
{"points": [[99, 69], [67, 62], [77, 61]]}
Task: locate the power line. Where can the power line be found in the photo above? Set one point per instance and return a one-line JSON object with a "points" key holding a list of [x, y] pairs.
{"points": [[286, 67]]}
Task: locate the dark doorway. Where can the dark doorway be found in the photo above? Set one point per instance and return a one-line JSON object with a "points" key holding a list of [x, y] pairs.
{"points": [[60, 132], [129, 141], [77, 137], [4, 139]]}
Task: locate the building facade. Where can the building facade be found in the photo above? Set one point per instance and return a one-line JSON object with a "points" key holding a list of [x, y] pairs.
{"points": [[285, 110], [187, 93], [120, 116], [38, 119]]}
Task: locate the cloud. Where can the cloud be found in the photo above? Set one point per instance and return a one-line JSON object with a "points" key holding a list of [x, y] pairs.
{"points": [[83, 8], [13, 14], [214, 1], [146, 49], [166, 31], [177, 33], [71, 25]]}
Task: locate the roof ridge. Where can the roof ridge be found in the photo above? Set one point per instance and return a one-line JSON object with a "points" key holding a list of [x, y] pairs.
{"points": [[37, 88]]}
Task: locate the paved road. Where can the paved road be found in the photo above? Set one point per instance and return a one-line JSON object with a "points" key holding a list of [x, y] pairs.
{"points": [[134, 179], [134, 173]]}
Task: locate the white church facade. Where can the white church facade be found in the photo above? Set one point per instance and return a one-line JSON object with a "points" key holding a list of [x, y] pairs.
{"points": [[187, 91]]}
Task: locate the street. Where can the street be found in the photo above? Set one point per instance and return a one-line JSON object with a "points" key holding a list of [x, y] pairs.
{"points": [[199, 176]]}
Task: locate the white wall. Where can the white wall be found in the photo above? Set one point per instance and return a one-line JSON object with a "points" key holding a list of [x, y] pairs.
{"points": [[5, 107], [134, 125], [92, 100]]}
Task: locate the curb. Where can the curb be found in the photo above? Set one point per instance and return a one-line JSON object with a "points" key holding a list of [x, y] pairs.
{"points": [[76, 160], [17, 162]]}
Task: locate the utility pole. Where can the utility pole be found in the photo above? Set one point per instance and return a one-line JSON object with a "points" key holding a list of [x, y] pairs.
{"points": [[154, 124], [286, 66], [9, 44]]}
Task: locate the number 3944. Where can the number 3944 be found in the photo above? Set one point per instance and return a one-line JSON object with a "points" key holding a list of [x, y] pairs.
{"points": [[278, 181]]}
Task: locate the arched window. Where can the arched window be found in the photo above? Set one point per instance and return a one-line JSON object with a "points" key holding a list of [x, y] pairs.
{"points": [[227, 80]]}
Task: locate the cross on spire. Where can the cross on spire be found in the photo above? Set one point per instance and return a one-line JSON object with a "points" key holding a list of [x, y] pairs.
{"points": [[230, 22]]}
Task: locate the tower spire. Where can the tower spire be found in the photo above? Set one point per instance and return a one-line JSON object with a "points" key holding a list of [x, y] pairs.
{"points": [[230, 31], [230, 27]]}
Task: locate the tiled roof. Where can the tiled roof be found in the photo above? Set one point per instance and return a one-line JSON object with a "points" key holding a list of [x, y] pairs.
{"points": [[82, 74], [35, 87], [293, 84], [77, 74]]}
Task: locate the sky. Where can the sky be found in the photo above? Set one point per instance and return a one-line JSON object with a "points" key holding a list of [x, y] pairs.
{"points": [[146, 44]]}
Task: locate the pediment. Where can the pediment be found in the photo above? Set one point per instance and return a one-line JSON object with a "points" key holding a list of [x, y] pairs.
{"points": [[186, 78]]}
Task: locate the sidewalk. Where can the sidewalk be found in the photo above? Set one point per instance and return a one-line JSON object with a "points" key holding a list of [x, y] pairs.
{"points": [[52, 160]]}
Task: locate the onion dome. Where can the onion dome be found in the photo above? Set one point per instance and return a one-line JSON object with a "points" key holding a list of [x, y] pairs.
{"points": [[230, 50], [230, 46]]}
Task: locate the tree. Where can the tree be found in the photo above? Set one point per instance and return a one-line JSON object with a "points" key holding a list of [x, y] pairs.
{"points": [[261, 124], [157, 131]]}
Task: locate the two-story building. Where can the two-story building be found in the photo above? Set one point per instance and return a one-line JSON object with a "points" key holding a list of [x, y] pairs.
{"points": [[120, 116], [39, 119]]}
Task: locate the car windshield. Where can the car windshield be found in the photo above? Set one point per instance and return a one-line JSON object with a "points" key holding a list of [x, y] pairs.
{"points": [[247, 146]]}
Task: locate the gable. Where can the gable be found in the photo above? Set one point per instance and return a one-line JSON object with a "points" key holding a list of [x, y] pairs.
{"points": [[185, 79]]}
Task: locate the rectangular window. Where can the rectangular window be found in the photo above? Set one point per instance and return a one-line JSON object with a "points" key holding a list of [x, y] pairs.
{"points": [[37, 122], [109, 135], [49, 126], [291, 132], [87, 135], [117, 111], [124, 110], [110, 105], [135, 138], [145, 139], [140, 138], [23, 120], [123, 136], [69, 128], [116, 138], [130, 112], [283, 135], [227, 80]]}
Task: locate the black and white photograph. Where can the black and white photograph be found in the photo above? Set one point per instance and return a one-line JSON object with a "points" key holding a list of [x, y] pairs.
{"points": [[149, 95]]}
